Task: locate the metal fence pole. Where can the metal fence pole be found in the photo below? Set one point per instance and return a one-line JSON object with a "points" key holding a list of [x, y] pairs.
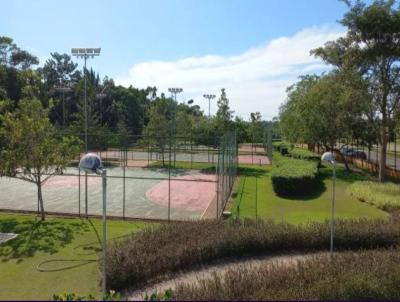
{"points": [[123, 187], [79, 192], [169, 181]]}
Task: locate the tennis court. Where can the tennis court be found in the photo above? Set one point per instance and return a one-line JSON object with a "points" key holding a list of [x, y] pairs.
{"points": [[148, 193]]}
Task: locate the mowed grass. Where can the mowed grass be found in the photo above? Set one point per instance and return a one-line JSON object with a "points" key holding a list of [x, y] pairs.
{"points": [[264, 203], [184, 165], [56, 238]]}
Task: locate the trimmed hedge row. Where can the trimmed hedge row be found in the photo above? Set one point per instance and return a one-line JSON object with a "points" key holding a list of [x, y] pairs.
{"points": [[282, 147], [305, 154], [294, 177]]}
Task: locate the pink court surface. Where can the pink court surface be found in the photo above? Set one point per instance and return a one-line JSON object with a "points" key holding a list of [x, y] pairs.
{"points": [[190, 192], [254, 160]]}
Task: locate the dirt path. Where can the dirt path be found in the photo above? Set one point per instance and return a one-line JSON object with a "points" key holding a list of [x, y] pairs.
{"points": [[208, 270]]}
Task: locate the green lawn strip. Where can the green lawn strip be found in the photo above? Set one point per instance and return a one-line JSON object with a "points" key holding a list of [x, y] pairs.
{"points": [[315, 207], [56, 238], [184, 165]]}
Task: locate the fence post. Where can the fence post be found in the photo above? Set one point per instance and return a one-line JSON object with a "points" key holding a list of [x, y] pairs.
{"points": [[169, 181]]}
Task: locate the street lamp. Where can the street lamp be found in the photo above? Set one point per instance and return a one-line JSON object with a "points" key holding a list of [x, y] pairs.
{"points": [[330, 157], [85, 53], [209, 97], [91, 163]]}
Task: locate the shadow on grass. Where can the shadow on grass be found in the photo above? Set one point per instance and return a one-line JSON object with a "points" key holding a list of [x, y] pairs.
{"points": [[37, 236], [342, 174], [315, 191], [254, 172]]}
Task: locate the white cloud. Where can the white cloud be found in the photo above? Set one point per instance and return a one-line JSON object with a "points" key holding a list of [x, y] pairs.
{"points": [[255, 80]]}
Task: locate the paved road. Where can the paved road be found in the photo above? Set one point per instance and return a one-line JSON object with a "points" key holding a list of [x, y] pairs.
{"points": [[392, 161]]}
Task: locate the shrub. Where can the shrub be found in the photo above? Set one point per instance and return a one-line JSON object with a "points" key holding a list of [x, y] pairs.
{"points": [[367, 275], [294, 177], [172, 247], [282, 147], [385, 196], [305, 154]]}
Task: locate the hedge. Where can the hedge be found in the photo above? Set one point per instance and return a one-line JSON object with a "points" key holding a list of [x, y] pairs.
{"points": [[304, 154], [168, 248], [282, 147], [294, 177]]}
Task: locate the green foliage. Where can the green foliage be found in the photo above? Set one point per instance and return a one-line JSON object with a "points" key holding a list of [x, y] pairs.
{"points": [[385, 196], [294, 177], [304, 154], [110, 296], [181, 245], [366, 275], [283, 147], [32, 151], [167, 295]]}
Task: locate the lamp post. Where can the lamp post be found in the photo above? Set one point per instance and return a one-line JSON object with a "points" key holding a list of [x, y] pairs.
{"points": [[174, 92], [85, 53], [91, 163], [209, 97], [329, 157]]}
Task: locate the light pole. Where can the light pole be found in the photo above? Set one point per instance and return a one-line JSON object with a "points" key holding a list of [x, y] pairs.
{"points": [[63, 89], [91, 163], [329, 157], [174, 92], [209, 97], [85, 53]]}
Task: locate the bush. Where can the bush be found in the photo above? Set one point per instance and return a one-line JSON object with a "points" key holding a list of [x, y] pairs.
{"points": [[385, 196], [282, 147], [172, 247], [294, 177], [368, 275], [305, 154]]}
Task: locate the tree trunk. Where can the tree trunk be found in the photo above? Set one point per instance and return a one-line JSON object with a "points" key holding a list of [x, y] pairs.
{"points": [[40, 198], [382, 157]]}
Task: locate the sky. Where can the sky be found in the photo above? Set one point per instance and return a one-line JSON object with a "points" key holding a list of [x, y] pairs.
{"points": [[254, 49]]}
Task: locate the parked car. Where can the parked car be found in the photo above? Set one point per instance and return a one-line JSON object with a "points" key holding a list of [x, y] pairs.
{"points": [[348, 151]]}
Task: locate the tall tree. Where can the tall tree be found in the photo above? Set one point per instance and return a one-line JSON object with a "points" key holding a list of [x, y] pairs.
{"points": [[224, 113], [371, 47], [32, 151]]}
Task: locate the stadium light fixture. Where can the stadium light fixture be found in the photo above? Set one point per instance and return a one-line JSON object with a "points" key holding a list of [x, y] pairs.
{"points": [[91, 163], [330, 158], [209, 97]]}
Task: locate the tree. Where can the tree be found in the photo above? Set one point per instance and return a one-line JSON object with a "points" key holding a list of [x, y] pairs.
{"points": [[371, 48], [32, 152], [224, 114], [320, 110], [158, 130]]}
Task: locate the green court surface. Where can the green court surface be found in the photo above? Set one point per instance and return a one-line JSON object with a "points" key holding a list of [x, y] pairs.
{"points": [[255, 197], [54, 239]]}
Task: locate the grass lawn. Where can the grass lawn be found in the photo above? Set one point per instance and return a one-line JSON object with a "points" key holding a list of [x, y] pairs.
{"points": [[56, 238], [315, 207], [184, 165]]}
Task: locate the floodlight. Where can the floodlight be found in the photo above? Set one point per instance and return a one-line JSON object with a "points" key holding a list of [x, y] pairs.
{"points": [[91, 163], [328, 157]]}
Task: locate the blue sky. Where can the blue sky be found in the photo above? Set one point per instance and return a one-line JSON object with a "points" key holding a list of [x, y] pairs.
{"points": [[252, 48]]}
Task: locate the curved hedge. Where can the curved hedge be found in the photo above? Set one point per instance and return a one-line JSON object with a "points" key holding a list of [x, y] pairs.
{"points": [[169, 248], [294, 177]]}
